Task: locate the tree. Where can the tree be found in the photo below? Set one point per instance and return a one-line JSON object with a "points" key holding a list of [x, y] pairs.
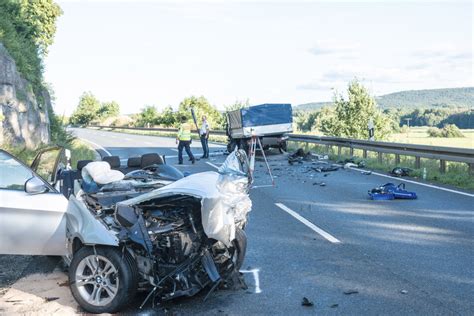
{"points": [[201, 107], [108, 109], [351, 117], [167, 117], [87, 109], [36, 19], [147, 116], [237, 105]]}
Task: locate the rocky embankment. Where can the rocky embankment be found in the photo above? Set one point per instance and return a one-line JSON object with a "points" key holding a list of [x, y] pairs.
{"points": [[24, 118]]}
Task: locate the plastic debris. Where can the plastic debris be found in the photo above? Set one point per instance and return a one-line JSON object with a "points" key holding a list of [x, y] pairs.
{"points": [[306, 302], [334, 305], [404, 291], [400, 171], [390, 191], [366, 173], [50, 299], [350, 292], [349, 165]]}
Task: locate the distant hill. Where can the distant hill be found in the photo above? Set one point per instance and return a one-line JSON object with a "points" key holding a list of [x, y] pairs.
{"points": [[450, 97]]}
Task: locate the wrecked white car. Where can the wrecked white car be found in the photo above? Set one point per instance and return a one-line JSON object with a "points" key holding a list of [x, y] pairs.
{"points": [[170, 238]]}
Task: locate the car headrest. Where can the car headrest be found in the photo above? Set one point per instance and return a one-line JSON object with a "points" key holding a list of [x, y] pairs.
{"points": [[114, 161], [134, 162], [151, 159], [81, 164]]}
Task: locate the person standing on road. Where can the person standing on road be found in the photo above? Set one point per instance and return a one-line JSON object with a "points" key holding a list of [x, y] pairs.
{"points": [[204, 134], [183, 140]]}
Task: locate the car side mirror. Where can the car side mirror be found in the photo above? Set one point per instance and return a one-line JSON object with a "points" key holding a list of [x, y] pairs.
{"points": [[35, 185]]}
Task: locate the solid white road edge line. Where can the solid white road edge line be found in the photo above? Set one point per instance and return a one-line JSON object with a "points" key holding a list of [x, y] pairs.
{"points": [[415, 182], [315, 228], [97, 146], [256, 278], [212, 165]]}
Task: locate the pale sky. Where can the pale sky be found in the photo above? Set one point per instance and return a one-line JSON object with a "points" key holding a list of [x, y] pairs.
{"points": [[159, 52]]}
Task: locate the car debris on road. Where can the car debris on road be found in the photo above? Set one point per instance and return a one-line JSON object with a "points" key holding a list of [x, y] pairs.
{"points": [[390, 191]]}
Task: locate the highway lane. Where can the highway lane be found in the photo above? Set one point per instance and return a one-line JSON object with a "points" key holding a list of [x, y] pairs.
{"points": [[401, 257]]}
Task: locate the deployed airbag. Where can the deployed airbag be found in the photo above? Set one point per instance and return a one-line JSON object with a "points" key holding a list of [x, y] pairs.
{"points": [[100, 173]]}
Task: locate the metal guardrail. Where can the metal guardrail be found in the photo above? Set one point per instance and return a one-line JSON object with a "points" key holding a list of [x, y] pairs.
{"points": [[440, 153], [443, 154]]}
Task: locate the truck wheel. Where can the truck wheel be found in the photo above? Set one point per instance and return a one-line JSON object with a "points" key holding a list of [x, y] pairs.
{"points": [[103, 281], [231, 146]]}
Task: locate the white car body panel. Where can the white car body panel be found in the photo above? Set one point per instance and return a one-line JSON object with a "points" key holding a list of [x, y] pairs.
{"points": [[32, 224]]}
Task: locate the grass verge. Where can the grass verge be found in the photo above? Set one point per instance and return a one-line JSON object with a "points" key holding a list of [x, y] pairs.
{"points": [[457, 174], [79, 151]]}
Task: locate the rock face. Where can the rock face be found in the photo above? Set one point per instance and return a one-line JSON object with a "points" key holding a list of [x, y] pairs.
{"points": [[23, 120]]}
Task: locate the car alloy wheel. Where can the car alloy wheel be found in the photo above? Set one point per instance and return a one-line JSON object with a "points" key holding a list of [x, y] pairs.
{"points": [[96, 280]]}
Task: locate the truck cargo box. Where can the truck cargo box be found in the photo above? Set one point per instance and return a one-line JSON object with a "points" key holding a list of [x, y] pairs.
{"points": [[263, 120]]}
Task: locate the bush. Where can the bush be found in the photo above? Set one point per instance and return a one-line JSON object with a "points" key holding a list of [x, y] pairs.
{"points": [[451, 131], [435, 132], [448, 131]]}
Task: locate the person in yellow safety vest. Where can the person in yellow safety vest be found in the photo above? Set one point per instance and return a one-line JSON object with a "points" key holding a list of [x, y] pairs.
{"points": [[184, 140]]}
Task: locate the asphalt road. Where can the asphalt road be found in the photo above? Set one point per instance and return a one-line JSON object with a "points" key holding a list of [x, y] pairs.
{"points": [[345, 253]]}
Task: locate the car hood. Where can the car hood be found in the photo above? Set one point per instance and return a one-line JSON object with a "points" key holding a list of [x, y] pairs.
{"points": [[224, 201]]}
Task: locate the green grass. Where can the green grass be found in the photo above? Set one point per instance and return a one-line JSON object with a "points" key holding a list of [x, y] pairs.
{"points": [[79, 151], [419, 135], [457, 174]]}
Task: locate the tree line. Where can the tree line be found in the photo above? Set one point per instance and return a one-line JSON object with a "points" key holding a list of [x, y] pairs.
{"points": [[91, 111], [349, 117]]}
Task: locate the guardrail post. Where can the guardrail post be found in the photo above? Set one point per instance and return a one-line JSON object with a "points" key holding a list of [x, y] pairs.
{"points": [[364, 153], [351, 152], [417, 163], [379, 157], [471, 169], [397, 159], [339, 152], [442, 166]]}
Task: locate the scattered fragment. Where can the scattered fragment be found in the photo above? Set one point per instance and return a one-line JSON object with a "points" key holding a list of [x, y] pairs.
{"points": [[400, 171], [349, 165], [65, 283], [404, 291], [350, 292], [306, 302], [334, 305], [367, 173], [322, 184], [50, 299], [361, 164], [390, 191]]}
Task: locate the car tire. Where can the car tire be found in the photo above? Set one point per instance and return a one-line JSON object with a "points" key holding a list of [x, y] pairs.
{"points": [[104, 280], [240, 244]]}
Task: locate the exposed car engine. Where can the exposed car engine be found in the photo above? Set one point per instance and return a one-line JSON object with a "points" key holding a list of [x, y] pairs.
{"points": [[180, 238]]}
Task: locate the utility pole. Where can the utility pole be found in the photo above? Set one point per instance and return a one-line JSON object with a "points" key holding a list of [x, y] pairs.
{"points": [[408, 122]]}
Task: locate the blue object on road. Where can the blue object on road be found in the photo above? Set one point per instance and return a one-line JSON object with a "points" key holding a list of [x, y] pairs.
{"points": [[390, 191]]}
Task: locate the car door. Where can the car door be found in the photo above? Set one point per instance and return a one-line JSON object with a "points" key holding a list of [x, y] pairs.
{"points": [[31, 224]]}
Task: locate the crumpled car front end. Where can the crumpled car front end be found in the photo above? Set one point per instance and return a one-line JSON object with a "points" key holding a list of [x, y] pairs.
{"points": [[176, 240]]}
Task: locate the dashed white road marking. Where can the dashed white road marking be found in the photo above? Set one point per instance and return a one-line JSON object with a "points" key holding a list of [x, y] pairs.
{"points": [[303, 220], [212, 165], [174, 149], [419, 183], [256, 278]]}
